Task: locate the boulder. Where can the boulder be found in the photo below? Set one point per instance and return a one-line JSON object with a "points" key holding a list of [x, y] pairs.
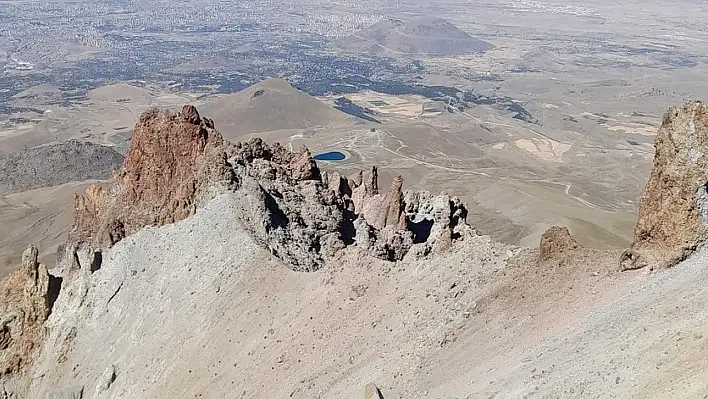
{"points": [[371, 391]]}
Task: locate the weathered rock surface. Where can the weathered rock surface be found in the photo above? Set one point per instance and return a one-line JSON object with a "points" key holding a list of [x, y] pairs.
{"points": [[24, 306], [56, 164], [287, 207], [436, 219], [302, 215], [673, 212], [401, 219], [172, 160], [364, 189], [389, 212], [557, 243]]}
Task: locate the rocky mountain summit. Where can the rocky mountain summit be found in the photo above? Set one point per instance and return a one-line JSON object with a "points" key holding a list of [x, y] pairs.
{"points": [[302, 215], [207, 268]]}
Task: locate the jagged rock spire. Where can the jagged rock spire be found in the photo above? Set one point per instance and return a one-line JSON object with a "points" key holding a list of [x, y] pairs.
{"points": [[391, 209], [24, 306], [171, 159]]}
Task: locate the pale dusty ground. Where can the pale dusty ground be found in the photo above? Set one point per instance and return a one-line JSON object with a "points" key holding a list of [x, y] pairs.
{"points": [[218, 316], [404, 106], [545, 149]]}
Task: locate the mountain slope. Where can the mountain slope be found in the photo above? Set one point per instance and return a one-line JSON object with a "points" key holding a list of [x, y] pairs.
{"points": [[397, 289], [42, 216], [272, 104], [221, 320]]}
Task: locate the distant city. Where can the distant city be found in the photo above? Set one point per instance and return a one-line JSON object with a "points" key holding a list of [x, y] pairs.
{"points": [[208, 46], [80, 45]]}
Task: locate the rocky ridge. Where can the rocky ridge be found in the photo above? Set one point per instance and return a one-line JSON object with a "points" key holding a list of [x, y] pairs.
{"points": [[302, 215], [25, 302]]}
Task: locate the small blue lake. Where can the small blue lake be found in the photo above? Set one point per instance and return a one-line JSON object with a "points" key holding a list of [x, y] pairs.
{"points": [[330, 156]]}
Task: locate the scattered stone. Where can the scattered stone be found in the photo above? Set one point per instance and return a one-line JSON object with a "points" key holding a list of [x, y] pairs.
{"points": [[106, 379], [449, 337], [631, 260], [371, 391], [357, 292]]}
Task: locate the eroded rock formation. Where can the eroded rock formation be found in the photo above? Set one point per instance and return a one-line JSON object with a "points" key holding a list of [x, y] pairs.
{"points": [[557, 243], [24, 306], [301, 214], [673, 212], [436, 219], [287, 207], [172, 160]]}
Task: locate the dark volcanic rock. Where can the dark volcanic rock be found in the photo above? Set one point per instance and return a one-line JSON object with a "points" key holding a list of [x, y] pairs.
{"points": [[56, 164]]}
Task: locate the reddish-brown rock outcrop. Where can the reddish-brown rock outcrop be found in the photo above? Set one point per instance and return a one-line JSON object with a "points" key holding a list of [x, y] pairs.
{"points": [[172, 158], [301, 214], [673, 212], [557, 243]]}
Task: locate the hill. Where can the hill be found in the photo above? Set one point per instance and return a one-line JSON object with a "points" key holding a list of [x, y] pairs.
{"points": [[426, 36], [273, 104], [56, 164]]}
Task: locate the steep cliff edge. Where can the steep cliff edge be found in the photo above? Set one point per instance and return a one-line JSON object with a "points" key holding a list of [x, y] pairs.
{"points": [[673, 212]]}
